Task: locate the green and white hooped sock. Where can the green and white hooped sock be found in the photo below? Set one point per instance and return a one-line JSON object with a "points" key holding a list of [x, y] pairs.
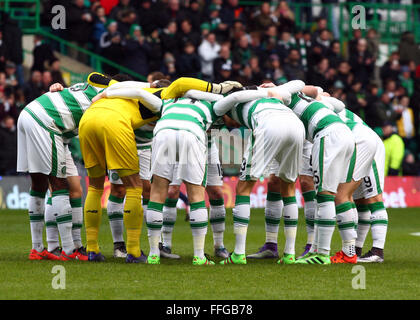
{"points": [[241, 215], [36, 209], [169, 219], [273, 212], [154, 225], [77, 221], [144, 204], [53, 239], [63, 216], [310, 209], [379, 224], [115, 211], [290, 214], [325, 222], [345, 222], [198, 223], [363, 224], [217, 221]]}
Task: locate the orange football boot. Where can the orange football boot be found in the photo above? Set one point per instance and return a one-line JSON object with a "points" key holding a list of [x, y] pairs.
{"points": [[35, 255], [76, 255], [341, 257]]}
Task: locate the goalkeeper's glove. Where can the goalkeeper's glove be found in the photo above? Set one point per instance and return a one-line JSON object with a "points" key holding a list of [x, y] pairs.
{"points": [[225, 87]]}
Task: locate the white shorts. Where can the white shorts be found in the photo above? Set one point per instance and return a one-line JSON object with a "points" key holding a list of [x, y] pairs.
{"points": [[71, 169], [332, 154], [306, 166], [366, 146], [214, 169], [39, 151], [179, 155], [373, 183], [276, 144], [145, 158]]}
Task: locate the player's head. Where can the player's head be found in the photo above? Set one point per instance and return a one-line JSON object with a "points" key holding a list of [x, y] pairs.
{"points": [[162, 83], [121, 77]]}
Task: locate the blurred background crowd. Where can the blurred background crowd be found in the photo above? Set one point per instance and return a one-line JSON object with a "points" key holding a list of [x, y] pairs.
{"points": [[218, 40]]}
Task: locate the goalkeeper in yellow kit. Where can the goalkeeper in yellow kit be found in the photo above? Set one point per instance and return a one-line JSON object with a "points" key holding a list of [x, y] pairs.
{"points": [[107, 141]]}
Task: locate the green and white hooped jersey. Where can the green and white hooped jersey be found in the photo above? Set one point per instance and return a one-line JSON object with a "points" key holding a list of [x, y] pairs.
{"points": [[60, 112], [243, 112], [350, 119], [314, 114], [144, 135], [195, 116]]}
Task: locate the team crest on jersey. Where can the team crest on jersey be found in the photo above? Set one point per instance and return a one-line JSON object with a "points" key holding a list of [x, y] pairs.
{"points": [[115, 176]]}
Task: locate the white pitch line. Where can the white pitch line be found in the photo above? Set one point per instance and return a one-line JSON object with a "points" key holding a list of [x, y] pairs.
{"points": [[416, 234]]}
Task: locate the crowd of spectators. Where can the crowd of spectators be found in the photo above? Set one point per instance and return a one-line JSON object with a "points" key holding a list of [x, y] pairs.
{"points": [[219, 40]]}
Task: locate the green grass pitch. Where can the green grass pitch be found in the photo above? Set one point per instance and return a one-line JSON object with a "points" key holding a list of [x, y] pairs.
{"points": [[397, 278]]}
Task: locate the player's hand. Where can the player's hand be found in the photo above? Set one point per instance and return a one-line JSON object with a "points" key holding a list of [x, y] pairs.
{"points": [[267, 85], [99, 96], [225, 87], [56, 87]]}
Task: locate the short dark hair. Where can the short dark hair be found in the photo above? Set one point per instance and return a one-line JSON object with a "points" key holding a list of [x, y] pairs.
{"points": [[121, 77], [162, 83]]}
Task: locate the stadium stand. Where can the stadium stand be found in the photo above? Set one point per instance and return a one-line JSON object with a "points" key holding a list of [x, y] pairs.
{"points": [[375, 70]]}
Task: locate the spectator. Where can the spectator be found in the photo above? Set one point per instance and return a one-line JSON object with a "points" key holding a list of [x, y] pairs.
{"points": [[264, 19], [118, 10], [33, 88], [79, 29], [208, 52], [169, 39], [221, 29], [305, 10], [8, 146], [156, 51], [57, 76], [410, 166], [136, 51], [391, 68], [188, 64], [334, 54], [408, 49], [373, 43], [111, 46], [274, 71], [405, 124], [257, 74], [2, 52], [231, 11], [8, 106], [319, 76], [394, 150], [324, 41], [169, 66], [222, 64], [194, 13], [99, 26], [286, 17], [12, 37], [11, 79], [356, 99], [357, 35], [148, 17], [293, 68], [42, 54], [187, 34], [126, 19], [383, 112], [406, 80], [285, 44], [47, 80], [362, 62], [242, 52]]}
